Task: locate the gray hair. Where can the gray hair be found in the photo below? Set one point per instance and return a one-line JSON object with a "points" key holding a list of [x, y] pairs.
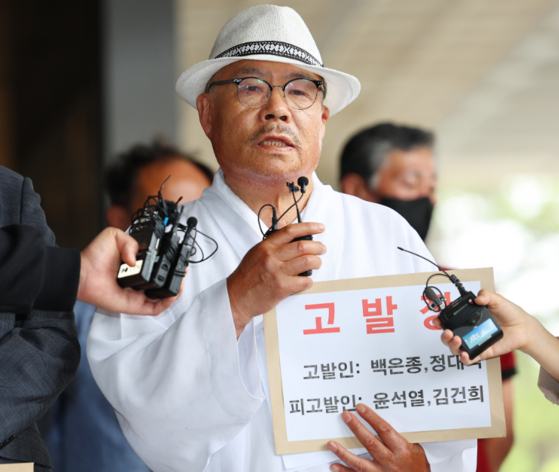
{"points": [[366, 152]]}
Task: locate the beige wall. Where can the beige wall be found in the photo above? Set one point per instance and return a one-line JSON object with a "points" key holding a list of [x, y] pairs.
{"points": [[482, 74]]}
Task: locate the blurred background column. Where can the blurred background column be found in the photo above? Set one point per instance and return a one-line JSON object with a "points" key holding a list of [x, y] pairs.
{"points": [[49, 108], [5, 105], [139, 72], [79, 82]]}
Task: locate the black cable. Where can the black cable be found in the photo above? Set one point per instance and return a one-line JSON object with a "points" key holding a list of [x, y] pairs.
{"points": [[154, 205], [452, 277], [271, 228], [441, 298], [162, 201], [168, 244], [201, 250], [442, 272], [293, 190], [195, 245], [259, 222], [294, 204]]}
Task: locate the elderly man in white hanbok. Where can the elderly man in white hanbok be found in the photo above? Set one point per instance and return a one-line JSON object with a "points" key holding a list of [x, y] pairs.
{"points": [[190, 386]]}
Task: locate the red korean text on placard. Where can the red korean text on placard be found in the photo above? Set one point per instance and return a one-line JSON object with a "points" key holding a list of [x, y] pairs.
{"points": [[376, 322], [318, 320], [428, 322]]}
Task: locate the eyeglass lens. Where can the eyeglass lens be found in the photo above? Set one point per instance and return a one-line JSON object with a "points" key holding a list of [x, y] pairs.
{"points": [[255, 93]]}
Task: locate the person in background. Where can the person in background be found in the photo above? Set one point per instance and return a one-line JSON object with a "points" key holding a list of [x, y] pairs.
{"points": [[141, 171], [81, 430], [395, 166]]}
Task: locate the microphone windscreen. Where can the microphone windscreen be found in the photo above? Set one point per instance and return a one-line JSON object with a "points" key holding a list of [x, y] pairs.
{"points": [[192, 221], [431, 295], [302, 181]]}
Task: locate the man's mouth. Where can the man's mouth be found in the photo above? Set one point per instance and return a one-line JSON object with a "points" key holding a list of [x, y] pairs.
{"points": [[273, 143], [275, 135], [277, 142]]}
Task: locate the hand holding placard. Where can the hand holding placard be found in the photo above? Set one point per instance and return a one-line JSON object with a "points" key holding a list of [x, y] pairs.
{"points": [[391, 453]]}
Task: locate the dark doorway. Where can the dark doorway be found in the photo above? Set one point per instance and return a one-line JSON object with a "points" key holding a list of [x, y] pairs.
{"points": [[50, 113]]}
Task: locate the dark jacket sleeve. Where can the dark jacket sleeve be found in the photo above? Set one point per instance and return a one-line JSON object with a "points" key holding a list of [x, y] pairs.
{"points": [[39, 350], [33, 275]]}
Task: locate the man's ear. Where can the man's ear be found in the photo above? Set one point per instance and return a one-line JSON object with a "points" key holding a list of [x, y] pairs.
{"points": [[117, 216], [324, 117], [354, 184], [204, 107]]}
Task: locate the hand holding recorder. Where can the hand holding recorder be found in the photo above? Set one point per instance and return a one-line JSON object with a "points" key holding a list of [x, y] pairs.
{"points": [[521, 331], [464, 318], [100, 262], [163, 255]]}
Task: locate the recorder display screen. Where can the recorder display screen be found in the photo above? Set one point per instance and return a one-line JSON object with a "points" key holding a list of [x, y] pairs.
{"points": [[480, 334]]}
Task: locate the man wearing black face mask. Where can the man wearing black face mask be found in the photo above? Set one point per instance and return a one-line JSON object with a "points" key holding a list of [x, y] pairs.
{"points": [[394, 166]]}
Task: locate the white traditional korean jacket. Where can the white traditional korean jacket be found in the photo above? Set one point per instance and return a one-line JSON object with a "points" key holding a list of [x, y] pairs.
{"points": [[188, 395]]}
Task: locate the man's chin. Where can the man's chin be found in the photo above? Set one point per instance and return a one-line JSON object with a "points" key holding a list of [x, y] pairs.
{"points": [[272, 172], [278, 174]]}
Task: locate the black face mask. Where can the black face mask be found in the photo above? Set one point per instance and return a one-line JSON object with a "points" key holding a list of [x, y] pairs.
{"points": [[416, 212]]}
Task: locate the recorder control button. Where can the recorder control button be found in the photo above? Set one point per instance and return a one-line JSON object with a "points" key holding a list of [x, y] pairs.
{"points": [[127, 271]]}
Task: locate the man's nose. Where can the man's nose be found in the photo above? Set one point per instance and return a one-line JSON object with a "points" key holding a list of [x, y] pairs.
{"points": [[276, 108]]}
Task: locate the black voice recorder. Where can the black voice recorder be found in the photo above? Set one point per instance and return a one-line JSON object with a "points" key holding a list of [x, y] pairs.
{"points": [[163, 255], [148, 233], [177, 266], [473, 323]]}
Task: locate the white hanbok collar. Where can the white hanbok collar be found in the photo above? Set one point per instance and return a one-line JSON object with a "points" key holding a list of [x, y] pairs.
{"points": [[234, 202]]}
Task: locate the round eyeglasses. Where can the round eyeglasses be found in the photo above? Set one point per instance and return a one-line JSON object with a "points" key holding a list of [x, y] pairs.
{"points": [[254, 92]]}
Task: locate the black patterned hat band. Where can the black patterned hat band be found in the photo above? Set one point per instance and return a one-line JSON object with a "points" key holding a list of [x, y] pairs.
{"points": [[275, 48]]}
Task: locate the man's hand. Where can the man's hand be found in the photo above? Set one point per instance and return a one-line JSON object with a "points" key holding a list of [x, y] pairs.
{"points": [[392, 453], [269, 272], [100, 262]]}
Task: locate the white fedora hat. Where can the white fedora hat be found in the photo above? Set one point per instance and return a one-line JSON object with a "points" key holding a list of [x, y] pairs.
{"points": [[268, 33]]}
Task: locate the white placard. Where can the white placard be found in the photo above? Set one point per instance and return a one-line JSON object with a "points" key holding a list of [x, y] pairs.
{"points": [[375, 346], [392, 363]]}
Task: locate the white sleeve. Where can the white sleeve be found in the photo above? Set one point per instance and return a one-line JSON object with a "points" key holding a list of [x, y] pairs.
{"points": [[181, 392], [455, 456], [549, 386]]}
